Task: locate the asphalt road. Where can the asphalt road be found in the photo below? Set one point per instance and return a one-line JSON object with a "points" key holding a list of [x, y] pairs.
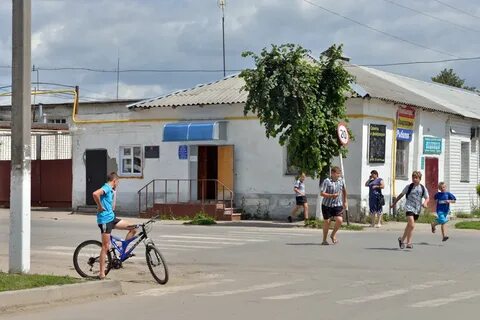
{"points": [[225, 272]]}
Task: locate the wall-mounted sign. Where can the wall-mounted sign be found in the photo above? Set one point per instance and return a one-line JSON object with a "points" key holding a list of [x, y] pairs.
{"points": [[342, 133], [376, 138], [405, 123], [432, 145], [183, 152], [152, 152]]}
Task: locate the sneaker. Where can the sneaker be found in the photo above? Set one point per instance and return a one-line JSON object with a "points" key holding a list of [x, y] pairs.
{"points": [[289, 219], [409, 246], [378, 225], [433, 227], [325, 243], [400, 243], [445, 239]]}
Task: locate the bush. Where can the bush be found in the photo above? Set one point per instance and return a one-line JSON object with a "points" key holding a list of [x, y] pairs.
{"points": [[478, 189], [463, 215], [475, 225], [202, 218], [426, 218]]}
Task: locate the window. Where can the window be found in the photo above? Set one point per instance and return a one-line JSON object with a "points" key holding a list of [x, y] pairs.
{"points": [[57, 121], [465, 162], [291, 170], [131, 160], [401, 167]]}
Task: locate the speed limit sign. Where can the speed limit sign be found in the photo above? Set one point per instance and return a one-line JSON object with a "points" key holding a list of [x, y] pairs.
{"points": [[342, 133]]}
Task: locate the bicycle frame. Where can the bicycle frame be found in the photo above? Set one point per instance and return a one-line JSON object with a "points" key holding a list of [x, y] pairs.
{"points": [[123, 253]]}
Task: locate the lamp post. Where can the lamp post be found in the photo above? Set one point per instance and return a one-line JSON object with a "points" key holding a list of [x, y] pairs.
{"points": [[221, 5]]}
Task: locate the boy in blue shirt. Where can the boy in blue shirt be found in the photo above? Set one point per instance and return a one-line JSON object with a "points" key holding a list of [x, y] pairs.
{"points": [[443, 199], [106, 220]]}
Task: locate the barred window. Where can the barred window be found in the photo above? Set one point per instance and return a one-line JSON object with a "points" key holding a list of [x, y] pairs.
{"points": [[401, 168]]}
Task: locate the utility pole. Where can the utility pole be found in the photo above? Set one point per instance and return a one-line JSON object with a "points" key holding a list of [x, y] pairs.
{"points": [[19, 248], [222, 4], [118, 72]]}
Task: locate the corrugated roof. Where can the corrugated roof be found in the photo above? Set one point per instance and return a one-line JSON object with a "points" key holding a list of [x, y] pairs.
{"points": [[225, 91], [368, 82]]}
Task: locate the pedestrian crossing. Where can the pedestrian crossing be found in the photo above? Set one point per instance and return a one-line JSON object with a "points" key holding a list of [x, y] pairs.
{"points": [[188, 241], [280, 291]]}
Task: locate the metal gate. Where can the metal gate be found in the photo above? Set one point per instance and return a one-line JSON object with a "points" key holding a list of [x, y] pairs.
{"points": [[51, 169]]}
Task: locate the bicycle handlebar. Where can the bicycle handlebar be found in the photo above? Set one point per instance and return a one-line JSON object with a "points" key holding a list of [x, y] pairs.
{"points": [[136, 226]]}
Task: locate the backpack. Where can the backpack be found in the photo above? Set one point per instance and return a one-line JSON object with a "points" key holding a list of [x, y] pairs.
{"points": [[410, 187]]}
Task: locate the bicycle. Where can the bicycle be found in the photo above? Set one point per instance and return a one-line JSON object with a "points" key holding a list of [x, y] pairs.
{"points": [[87, 255]]}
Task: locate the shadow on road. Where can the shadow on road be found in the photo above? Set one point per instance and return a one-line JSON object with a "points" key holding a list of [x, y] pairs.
{"points": [[304, 244], [383, 249]]}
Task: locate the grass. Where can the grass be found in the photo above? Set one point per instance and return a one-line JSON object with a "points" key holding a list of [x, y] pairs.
{"points": [[9, 281], [316, 223], [201, 218], [474, 225]]}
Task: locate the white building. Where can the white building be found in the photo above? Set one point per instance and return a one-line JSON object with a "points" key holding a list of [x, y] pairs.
{"points": [[201, 133]]}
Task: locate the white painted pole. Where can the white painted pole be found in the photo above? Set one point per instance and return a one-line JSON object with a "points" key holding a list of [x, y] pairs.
{"points": [[345, 185], [19, 247]]}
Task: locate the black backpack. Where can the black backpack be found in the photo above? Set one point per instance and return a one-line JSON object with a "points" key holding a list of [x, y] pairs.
{"points": [[410, 187]]}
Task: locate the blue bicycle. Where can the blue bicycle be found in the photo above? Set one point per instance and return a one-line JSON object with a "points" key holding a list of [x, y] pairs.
{"points": [[86, 258]]}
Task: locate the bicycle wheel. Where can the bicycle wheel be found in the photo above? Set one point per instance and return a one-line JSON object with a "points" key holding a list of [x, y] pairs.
{"points": [[156, 263], [86, 259]]}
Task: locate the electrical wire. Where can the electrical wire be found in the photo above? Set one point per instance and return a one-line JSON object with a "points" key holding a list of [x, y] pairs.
{"points": [[378, 30], [431, 16], [457, 9]]}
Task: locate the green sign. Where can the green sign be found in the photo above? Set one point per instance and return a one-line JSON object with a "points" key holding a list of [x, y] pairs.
{"points": [[432, 145]]}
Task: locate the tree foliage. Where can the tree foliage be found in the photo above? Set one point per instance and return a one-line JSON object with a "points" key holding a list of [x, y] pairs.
{"points": [[301, 101], [449, 77]]}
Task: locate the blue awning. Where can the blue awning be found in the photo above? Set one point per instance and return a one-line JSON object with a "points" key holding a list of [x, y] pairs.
{"points": [[191, 131]]}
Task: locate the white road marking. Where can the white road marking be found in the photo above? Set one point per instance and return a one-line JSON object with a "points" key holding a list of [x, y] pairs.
{"points": [[296, 295], [249, 289], [167, 290], [360, 283], [267, 233], [393, 293], [211, 238], [72, 249], [443, 301], [171, 246], [201, 241]]}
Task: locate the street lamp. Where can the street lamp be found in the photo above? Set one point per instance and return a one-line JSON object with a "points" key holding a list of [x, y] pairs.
{"points": [[221, 5]]}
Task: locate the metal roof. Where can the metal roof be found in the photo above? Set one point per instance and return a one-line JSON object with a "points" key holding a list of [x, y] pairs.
{"points": [[368, 82], [225, 91]]}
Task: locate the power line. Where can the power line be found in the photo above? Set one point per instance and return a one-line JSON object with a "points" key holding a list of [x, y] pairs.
{"points": [[418, 62], [457, 9], [431, 16], [378, 30]]}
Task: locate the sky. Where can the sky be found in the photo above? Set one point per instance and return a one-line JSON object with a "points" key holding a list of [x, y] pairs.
{"points": [[187, 35]]}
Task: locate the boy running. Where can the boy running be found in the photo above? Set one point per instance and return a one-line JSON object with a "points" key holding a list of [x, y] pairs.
{"points": [[443, 198], [414, 193], [106, 220], [300, 198]]}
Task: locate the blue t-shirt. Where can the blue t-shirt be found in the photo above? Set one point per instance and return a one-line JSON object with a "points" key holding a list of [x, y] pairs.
{"points": [[442, 205], [106, 200]]}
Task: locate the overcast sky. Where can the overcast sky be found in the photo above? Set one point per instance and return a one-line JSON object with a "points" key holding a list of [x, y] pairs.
{"points": [[186, 34]]}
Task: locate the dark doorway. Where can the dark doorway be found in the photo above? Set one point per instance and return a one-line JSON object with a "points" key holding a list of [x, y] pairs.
{"points": [[96, 172], [207, 172], [431, 180]]}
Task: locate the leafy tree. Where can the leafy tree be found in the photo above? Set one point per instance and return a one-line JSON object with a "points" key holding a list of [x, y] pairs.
{"points": [[449, 77], [301, 101]]}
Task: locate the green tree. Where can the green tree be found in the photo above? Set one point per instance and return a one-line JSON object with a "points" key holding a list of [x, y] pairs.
{"points": [[301, 101], [449, 77]]}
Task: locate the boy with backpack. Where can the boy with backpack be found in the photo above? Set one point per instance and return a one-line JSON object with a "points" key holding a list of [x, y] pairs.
{"points": [[443, 198], [414, 193]]}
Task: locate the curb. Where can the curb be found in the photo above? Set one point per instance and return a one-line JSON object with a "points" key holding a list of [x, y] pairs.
{"points": [[49, 294]]}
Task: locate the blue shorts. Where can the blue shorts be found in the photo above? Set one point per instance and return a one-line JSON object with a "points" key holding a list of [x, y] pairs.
{"points": [[442, 217]]}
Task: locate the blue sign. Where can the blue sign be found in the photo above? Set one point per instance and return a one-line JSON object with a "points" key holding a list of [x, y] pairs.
{"points": [[183, 152], [404, 134], [432, 145]]}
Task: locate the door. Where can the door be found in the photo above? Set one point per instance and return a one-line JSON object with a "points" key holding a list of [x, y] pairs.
{"points": [[96, 172], [431, 180], [225, 170], [207, 172]]}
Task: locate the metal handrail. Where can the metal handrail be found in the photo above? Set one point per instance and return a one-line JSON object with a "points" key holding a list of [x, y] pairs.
{"points": [[151, 185]]}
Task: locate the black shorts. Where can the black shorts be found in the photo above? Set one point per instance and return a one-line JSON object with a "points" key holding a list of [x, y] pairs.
{"points": [[109, 226], [331, 212], [301, 200], [412, 214]]}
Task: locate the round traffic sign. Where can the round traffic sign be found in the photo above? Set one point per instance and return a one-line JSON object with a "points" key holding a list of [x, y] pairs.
{"points": [[342, 133]]}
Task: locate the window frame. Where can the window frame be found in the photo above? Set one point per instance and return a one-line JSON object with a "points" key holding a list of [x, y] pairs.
{"points": [[406, 150], [290, 170], [464, 178], [130, 157]]}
